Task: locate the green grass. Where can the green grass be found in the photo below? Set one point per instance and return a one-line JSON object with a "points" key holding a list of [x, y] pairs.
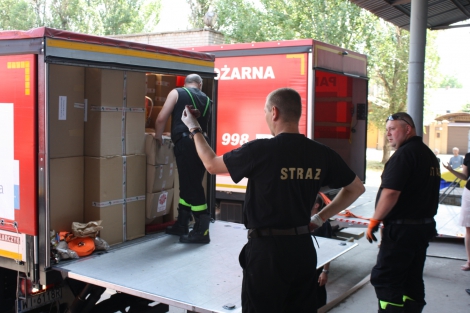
{"points": [[374, 166]]}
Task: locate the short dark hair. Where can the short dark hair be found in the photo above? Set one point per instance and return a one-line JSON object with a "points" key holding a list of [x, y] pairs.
{"points": [[193, 78], [288, 102], [402, 116]]}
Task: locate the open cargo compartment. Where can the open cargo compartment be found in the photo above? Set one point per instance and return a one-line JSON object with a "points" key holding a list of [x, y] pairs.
{"points": [[72, 106]]}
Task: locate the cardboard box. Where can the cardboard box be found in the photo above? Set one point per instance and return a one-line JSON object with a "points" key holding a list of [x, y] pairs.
{"points": [[163, 84], [135, 219], [153, 117], [152, 221], [114, 133], [160, 177], [135, 89], [150, 83], [156, 153], [158, 204], [108, 181], [66, 111], [104, 87], [115, 122], [115, 88], [66, 192]]}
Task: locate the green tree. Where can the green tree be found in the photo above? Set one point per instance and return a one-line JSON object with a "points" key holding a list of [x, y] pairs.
{"points": [[198, 9], [337, 22], [17, 14], [98, 17], [449, 81]]}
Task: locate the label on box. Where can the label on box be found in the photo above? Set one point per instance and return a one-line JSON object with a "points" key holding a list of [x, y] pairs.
{"points": [[162, 201], [62, 108]]}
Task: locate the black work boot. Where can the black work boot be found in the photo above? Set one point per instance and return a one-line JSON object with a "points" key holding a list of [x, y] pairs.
{"points": [[180, 227], [200, 232]]}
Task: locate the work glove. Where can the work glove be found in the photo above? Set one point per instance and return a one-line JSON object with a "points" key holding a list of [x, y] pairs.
{"points": [[315, 222], [189, 119], [373, 227]]}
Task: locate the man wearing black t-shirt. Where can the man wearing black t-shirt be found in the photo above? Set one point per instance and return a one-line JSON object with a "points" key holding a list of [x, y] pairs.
{"points": [[284, 175], [406, 203], [190, 168]]}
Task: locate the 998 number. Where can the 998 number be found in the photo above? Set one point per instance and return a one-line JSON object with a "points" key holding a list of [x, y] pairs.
{"points": [[234, 139]]}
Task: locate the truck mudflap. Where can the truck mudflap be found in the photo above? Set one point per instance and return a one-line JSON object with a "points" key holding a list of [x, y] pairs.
{"points": [[201, 278]]}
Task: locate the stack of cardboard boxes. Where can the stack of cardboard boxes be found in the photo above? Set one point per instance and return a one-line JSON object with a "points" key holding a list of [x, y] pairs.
{"points": [[99, 169], [115, 153], [161, 170], [97, 150], [161, 164]]}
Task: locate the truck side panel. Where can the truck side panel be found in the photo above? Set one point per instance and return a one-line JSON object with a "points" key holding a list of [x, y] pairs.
{"points": [[18, 182], [244, 83]]}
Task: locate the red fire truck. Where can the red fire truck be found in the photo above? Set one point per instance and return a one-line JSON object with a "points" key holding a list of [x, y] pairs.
{"points": [[72, 126], [332, 82]]}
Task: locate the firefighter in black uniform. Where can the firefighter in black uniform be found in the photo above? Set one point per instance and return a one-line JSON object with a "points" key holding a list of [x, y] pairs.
{"points": [[406, 203], [190, 168], [284, 175]]}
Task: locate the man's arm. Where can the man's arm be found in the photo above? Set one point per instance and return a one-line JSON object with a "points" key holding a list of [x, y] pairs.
{"points": [[165, 113], [388, 199], [214, 164], [346, 196]]}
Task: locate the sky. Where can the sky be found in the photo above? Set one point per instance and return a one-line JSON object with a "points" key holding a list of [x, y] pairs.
{"points": [[174, 16], [454, 48]]}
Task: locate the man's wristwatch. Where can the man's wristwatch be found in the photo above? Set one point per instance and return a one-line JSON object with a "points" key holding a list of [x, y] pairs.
{"points": [[326, 271], [195, 131]]}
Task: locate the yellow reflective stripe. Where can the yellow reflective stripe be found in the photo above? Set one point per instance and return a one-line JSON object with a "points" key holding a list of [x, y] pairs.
{"points": [[405, 298], [383, 304], [198, 208], [184, 202], [195, 208], [11, 255], [125, 52]]}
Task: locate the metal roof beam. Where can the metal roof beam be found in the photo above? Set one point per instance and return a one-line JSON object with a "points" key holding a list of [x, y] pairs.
{"points": [[459, 5]]}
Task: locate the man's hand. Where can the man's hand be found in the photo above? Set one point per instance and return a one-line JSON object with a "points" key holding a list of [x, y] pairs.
{"points": [[189, 119], [373, 227], [315, 222], [322, 279]]}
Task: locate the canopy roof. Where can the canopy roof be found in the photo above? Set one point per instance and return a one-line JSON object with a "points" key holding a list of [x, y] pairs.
{"points": [[441, 13]]}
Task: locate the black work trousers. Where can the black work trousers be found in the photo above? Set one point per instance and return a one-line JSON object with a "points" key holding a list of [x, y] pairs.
{"points": [[279, 274], [190, 172], [400, 262]]}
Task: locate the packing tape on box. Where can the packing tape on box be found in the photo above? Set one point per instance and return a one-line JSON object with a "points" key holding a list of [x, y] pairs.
{"points": [[124, 111], [118, 201]]}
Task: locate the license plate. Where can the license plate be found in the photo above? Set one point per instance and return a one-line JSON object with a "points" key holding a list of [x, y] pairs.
{"points": [[39, 300]]}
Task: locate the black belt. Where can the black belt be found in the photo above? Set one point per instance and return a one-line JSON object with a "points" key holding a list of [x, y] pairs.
{"points": [[179, 136], [409, 221], [262, 232]]}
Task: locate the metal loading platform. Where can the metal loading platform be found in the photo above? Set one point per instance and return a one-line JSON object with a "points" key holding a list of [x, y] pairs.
{"points": [[447, 216], [195, 277]]}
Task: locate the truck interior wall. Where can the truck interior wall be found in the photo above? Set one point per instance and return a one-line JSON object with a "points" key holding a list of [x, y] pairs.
{"points": [[336, 117]]}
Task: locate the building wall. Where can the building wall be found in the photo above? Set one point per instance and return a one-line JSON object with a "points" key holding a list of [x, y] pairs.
{"points": [[375, 137], [437, 137], [178, 39], [458, 137]]}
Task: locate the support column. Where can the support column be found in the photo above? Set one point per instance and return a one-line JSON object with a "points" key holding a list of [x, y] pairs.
{"points": [[418, 22]]}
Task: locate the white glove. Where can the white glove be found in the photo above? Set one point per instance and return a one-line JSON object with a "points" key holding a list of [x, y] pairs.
{"points": [[316, 220], [189, 119]]}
